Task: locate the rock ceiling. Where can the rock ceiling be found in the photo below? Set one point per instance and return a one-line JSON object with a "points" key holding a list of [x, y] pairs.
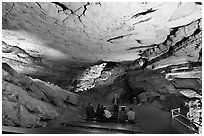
{"points": [[145, 50], [45, 36]]}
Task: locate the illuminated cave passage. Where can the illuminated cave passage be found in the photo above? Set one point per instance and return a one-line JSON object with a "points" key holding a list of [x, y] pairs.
{"points": [[57, 57]]}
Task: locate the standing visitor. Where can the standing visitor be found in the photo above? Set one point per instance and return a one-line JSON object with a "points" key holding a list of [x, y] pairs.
{"points": [[115, 102]]}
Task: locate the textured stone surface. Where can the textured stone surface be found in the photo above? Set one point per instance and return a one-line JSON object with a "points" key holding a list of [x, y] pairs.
{"points": [[190, 93], [27, 106], [195, 111], [10, 113], [158, 48], [17, 78], [50, 39], [149, 81], [6, 75], [144, 97], [48, 92], [186, 83], [17, 94], [37, 93], [29, 119], [67, 96], [15, 114]]}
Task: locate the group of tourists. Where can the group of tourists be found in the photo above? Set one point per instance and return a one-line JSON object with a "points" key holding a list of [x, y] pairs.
{"points": [[102, 113]]}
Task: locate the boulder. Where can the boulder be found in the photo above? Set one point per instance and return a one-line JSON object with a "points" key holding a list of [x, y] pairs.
{"points": [[22, 81], [6, 75], [29, 119], [187, 83], [147, 80], [4, 85], [189, 93], [43, 109], [9, 69], [171, 102], [37, 93], [10, 113], [15, 77], [66, 95], [14, 114], [144, 97], [52, 95]]}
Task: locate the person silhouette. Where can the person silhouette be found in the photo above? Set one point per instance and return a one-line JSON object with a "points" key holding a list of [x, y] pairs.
{"points": [[115, 102]]}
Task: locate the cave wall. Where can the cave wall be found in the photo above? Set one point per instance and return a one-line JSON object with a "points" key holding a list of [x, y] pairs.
{"points": [[28, 102]]}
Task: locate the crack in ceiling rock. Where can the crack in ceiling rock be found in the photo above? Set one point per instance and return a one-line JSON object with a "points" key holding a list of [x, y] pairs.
{"points": [[86, 32], [64, 8], [144, 13]]}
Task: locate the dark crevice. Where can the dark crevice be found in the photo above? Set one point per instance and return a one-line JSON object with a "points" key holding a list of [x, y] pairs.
{"points": [[178, 45], [197, 31], [79, 17], [163, 56], [39, 4], [200, 55], [143, 21], [83, 13], [139, 41], [10, 9], [139, 47], [144, 13], [78, 9], [181, 43], [172, 32], [85, 8], [98, 3], [64, 8], [61, 5], [111, 40], [73, 12], [198, 3]]}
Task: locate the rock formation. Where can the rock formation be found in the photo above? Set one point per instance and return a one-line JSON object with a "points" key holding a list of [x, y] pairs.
{"points": [[52, 39], [148, 50], [28, 102]]}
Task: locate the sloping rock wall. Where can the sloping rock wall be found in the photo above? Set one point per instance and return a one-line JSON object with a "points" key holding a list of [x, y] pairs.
{"points": [[30, 102]]}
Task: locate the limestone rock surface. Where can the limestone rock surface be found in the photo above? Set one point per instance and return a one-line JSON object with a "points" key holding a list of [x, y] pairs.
{"points": [[56, 39], [31, 103]]}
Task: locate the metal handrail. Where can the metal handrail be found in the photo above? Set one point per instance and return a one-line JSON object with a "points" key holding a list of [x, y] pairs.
{"points": [[182, 123], [187, 118], [178, 114]]}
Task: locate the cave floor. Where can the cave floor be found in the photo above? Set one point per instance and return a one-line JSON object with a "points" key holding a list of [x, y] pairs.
{"points": [[149, 119]]}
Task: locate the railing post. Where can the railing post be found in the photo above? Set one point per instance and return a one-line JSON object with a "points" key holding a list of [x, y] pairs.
{"points": [[172, 116]]}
